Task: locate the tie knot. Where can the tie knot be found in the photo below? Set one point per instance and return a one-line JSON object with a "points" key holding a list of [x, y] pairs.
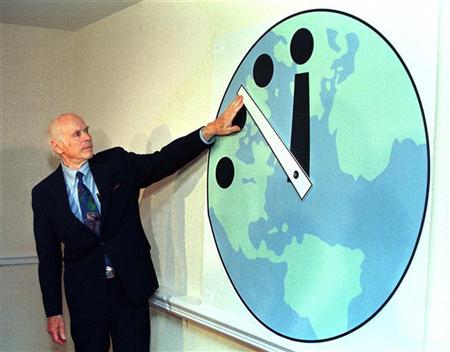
{"points": [[80, 176]]}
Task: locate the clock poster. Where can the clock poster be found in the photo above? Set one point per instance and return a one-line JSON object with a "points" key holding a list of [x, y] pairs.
{"points": [[341, 99]]}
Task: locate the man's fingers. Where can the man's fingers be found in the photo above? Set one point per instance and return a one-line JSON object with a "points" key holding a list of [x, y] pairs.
{"points": [[234, 129], [237, 99], [236, 111], [229, 130], [232, 114], [56, 338], [62, 330], [236, 104]]}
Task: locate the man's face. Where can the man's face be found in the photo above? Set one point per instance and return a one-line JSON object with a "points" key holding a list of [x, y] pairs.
{"points": [[75, 144]]}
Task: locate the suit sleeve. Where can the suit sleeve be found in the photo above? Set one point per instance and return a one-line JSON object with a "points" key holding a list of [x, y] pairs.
{"points": [[48, 248], [150, 168]]}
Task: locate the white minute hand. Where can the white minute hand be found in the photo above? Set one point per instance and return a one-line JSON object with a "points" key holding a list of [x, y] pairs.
{"points": [[288, 162]]}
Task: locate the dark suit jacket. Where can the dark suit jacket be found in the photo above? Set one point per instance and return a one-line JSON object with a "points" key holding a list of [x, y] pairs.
{"points": [[119, 176]]}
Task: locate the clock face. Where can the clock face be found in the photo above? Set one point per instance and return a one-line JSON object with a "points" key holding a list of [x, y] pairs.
{"points": [[329, 102]]}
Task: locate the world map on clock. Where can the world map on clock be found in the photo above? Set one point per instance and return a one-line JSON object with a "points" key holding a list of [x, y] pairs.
{"points": [[317, 267]]}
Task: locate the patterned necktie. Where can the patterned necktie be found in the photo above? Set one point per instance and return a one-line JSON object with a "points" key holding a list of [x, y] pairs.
{"points": [[89, 210]]}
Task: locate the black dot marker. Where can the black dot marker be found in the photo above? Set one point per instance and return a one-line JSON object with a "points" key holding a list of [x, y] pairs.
{"points": [[263, 70], [225, 172], [240, 118], [302, 45]]}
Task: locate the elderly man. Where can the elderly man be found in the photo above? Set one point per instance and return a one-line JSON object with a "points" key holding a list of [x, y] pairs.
{"points": [[90, 205]]}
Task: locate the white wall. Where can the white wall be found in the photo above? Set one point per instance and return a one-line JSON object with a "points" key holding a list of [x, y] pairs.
{"points": [[36, 83]]}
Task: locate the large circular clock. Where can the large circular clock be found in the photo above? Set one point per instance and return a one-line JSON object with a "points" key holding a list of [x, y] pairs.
{"points": [[317, 205]]}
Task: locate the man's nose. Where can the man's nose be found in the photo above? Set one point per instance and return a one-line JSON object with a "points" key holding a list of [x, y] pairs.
{"points": [[86, 136]]}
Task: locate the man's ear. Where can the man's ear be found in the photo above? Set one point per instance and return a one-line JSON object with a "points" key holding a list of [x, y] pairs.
{"points": [[56, 146]]}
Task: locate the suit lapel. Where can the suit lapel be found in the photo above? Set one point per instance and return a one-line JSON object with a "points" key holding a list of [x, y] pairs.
{"points": [[100, 174]]}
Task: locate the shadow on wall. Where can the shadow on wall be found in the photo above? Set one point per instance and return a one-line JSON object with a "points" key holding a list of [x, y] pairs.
{"points": [[101, 141], [163, 211]]}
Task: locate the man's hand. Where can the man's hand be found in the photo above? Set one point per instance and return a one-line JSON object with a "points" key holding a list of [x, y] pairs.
{"points": [[55, 327], [223, 125]]}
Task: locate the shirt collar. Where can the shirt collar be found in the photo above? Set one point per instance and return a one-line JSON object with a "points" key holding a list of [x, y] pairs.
{"points": [[70, 174]]}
